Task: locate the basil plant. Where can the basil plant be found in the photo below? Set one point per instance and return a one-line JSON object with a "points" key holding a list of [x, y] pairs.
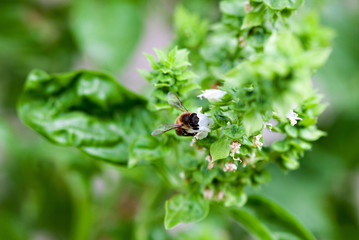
{"points": [[247, 78]]}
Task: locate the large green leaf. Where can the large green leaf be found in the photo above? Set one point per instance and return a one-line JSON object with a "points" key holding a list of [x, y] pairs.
{"points": [[107, 31], [185, 209], [267, 220], [84, 109]]}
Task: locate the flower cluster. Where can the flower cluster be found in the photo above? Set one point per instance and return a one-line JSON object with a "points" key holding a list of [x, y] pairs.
{"points": [[252, 70], [235, 150]]}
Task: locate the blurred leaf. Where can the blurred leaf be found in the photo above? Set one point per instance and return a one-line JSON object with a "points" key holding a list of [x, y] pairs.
{"points": [[190, 29], [281, 146], [185, 209], [291, 131], [300, 144], [253, 19], [235, 198], [146, 148], [233, 8], [84, 109], [282, 4], [107, 31], [317, 57], [290, 161], [311, 133], [267, 220]]}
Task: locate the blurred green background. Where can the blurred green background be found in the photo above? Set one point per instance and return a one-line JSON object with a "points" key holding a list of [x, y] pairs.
{"points": [[50, 192]]}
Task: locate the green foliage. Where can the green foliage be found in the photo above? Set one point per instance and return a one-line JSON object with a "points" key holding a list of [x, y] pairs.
{"points": [[109, 48], [220, 149], [184, 209], [190, 29], [84, 109], [32, 37], [170, 74], [266, 220], [283, 4], [254, 65]]}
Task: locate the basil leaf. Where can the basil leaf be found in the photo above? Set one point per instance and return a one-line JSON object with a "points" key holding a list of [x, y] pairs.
{"points": [[253, 19], [282, 4], [291, 131], [281, 146], [220, 149], [311, 133], [235, 198], [233, 131], [233, 8], [146, 148], [267, 220], [84, 109], [107, 31], [253, 123], [185, 209]]}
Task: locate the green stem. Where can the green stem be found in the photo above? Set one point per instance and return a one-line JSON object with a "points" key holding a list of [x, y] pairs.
{"points": [[163, 171], [145, 215], [82, 207]]}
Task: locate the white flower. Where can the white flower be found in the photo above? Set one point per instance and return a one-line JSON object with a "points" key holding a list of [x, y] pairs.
{"points": [[242, 42], [214, 95], [210, 162], [249, 160], [235, 149], [257, 143], [219, 195], [182, 175], [247, 6], [230, 167], [208, 193], [210, 165], [293, 117], [204, 125]]}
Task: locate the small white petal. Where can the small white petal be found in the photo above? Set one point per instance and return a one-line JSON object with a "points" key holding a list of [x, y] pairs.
{"points": [[182, 175], [204, 125], [293, 117], [214, 95], [257, 143], [219, 195]]}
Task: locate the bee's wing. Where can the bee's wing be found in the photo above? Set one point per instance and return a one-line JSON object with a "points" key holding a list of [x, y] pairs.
{"points": [[164, 128], [174, 100]]}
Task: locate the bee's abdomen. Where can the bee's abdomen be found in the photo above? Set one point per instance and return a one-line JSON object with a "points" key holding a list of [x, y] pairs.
{"points": [[183, 132]]}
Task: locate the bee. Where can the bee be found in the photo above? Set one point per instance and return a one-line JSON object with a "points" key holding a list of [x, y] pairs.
{"points": [[186, 123]]}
